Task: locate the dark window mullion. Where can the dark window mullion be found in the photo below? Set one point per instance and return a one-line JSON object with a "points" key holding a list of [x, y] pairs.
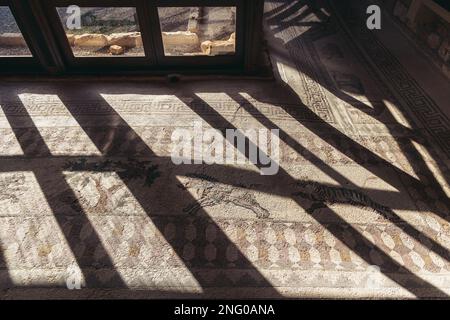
{"points": [[147, 31], [58, 30], [14, 8], [152, 10], [46, 43]]}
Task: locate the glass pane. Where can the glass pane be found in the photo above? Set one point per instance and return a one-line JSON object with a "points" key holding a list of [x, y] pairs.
{"points": [[12, 42], [188, 31], [102, 32]]}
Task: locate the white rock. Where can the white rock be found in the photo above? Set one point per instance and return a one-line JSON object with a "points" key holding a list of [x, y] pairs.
{"points": [[127, 39], [116, 50], [446, 70], [213, 48], [138, 41], [91, 40], [180, 41], [71, 39]]}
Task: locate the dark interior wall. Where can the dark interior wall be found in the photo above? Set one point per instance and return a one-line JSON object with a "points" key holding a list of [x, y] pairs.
{"points": [[444, 4]]}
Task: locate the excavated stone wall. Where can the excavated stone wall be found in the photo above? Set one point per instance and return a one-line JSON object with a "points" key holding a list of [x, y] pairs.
{"points": [[185, 41]]}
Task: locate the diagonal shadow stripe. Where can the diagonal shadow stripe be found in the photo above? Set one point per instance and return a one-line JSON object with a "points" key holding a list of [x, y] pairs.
{"points": [[33, 143], [415, 158], [390, 268], [18, 163], [109, 142], [106, 142], [5, 279], [426, 241], [363, 153]]}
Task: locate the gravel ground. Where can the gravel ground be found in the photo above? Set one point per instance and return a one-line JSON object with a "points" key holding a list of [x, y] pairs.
{"points": [[14, 51], [103, 20], [7, 21], [9, 25], [103, 52]]}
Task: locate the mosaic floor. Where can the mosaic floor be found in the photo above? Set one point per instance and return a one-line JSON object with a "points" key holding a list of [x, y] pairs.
{"points": [[359, 208]]}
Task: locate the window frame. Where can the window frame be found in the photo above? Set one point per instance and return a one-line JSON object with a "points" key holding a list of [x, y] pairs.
{"points": [[200, 61], [19, 63], [87, 64], [44, 33]]}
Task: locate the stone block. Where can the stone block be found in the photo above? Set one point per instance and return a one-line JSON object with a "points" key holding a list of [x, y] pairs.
{"points": [[180, 37], [116, 50], [183, 42], [91, 40], [214, 48], [71, 39], [127, 39], [193, 24]]}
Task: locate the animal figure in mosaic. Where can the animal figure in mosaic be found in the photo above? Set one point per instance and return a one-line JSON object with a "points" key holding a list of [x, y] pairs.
{"points": [[104, 194], [11, 187], [109, 195], [211, 193], [322, 195]]}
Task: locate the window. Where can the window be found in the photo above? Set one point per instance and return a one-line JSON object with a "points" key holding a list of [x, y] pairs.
{"points": [[131, 37], [12, 42], [102, 31], [193, 31]]}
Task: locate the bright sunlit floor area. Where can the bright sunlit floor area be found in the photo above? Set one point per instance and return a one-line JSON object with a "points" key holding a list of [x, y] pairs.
{"points": [[93, 200]]}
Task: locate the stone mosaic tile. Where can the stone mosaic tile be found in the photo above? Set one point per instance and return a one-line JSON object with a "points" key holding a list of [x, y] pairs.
{"points": [[359, 209]]}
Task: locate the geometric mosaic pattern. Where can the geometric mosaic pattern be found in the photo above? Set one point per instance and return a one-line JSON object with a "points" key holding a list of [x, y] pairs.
{"points": [[404, 86], [87, 185], [268, 245]]}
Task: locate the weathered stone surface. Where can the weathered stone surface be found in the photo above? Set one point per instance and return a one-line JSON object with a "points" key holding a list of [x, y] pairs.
{"points": [[212, 26], [12, 40], [91, 40], [213, 48], [89, 193], [138, 43], [206, 47], [124, 39], [116, 50], [180, 40], [71, 38]]}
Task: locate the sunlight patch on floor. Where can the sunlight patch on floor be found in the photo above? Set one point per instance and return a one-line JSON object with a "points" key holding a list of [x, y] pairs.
{"points": [[61, 132], [131, 240]]}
